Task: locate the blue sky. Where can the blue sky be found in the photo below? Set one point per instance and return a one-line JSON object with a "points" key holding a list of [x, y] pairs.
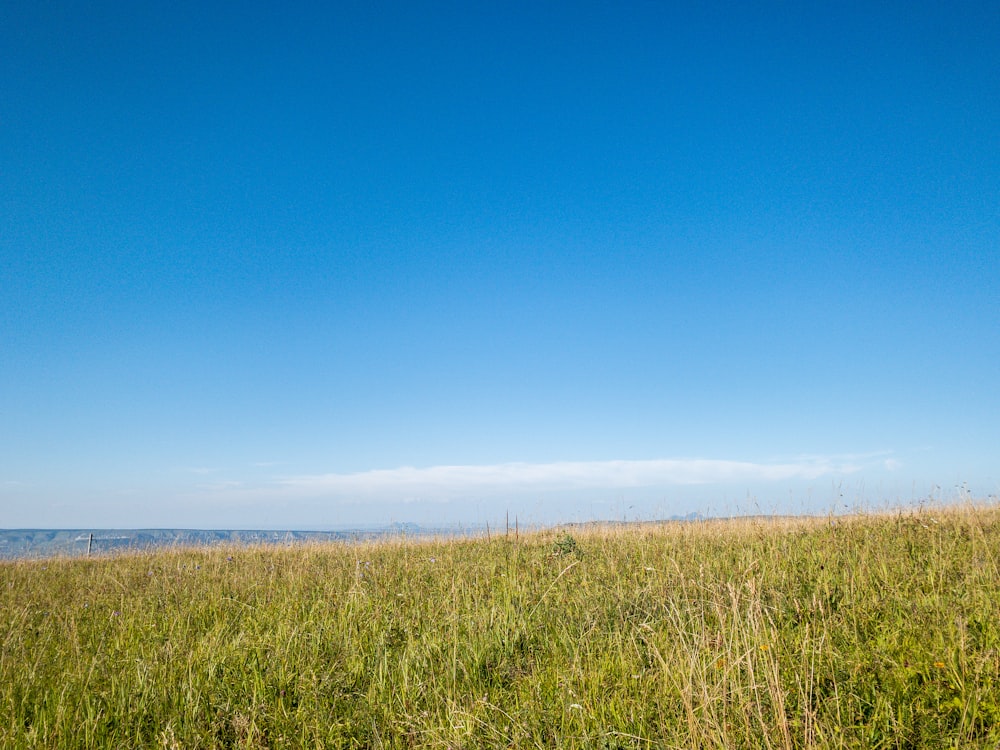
{"points": [[335, 264]]}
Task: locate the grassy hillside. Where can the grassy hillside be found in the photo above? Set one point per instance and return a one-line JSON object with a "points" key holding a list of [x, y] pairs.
{"points": [[878, 631]]}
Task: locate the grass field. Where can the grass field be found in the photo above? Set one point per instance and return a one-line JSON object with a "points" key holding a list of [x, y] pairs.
{"points": [[868, 631]]}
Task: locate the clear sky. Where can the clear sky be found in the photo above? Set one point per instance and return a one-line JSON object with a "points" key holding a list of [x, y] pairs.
{"points": [[330, 264]]}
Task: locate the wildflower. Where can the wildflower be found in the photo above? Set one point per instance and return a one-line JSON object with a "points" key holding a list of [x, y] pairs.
{"points": [[939, 664], [575, 707], [764, 647]]}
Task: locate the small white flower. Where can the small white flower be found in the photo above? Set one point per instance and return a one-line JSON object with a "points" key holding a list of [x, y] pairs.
{"points": [[575, 707]]}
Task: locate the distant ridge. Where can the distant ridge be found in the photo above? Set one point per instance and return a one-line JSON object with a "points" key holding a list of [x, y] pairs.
{"points": [[41, 543], [36, 543]]}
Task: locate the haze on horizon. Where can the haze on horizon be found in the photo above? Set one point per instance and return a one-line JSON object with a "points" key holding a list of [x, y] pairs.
{"points": [[271, 266]]}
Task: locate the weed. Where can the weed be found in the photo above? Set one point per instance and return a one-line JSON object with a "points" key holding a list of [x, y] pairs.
{"points": [[566, 545]]}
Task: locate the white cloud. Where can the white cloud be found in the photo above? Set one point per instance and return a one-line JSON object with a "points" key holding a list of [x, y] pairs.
{"points": [[409, 481], [544, 491]]}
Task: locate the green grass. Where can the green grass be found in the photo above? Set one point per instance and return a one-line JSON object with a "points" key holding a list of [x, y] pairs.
{"points": [[878, 631]]}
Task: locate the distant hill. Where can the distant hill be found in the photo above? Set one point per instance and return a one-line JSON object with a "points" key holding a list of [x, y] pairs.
{"points": [[16, 543], [37, 543]]}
